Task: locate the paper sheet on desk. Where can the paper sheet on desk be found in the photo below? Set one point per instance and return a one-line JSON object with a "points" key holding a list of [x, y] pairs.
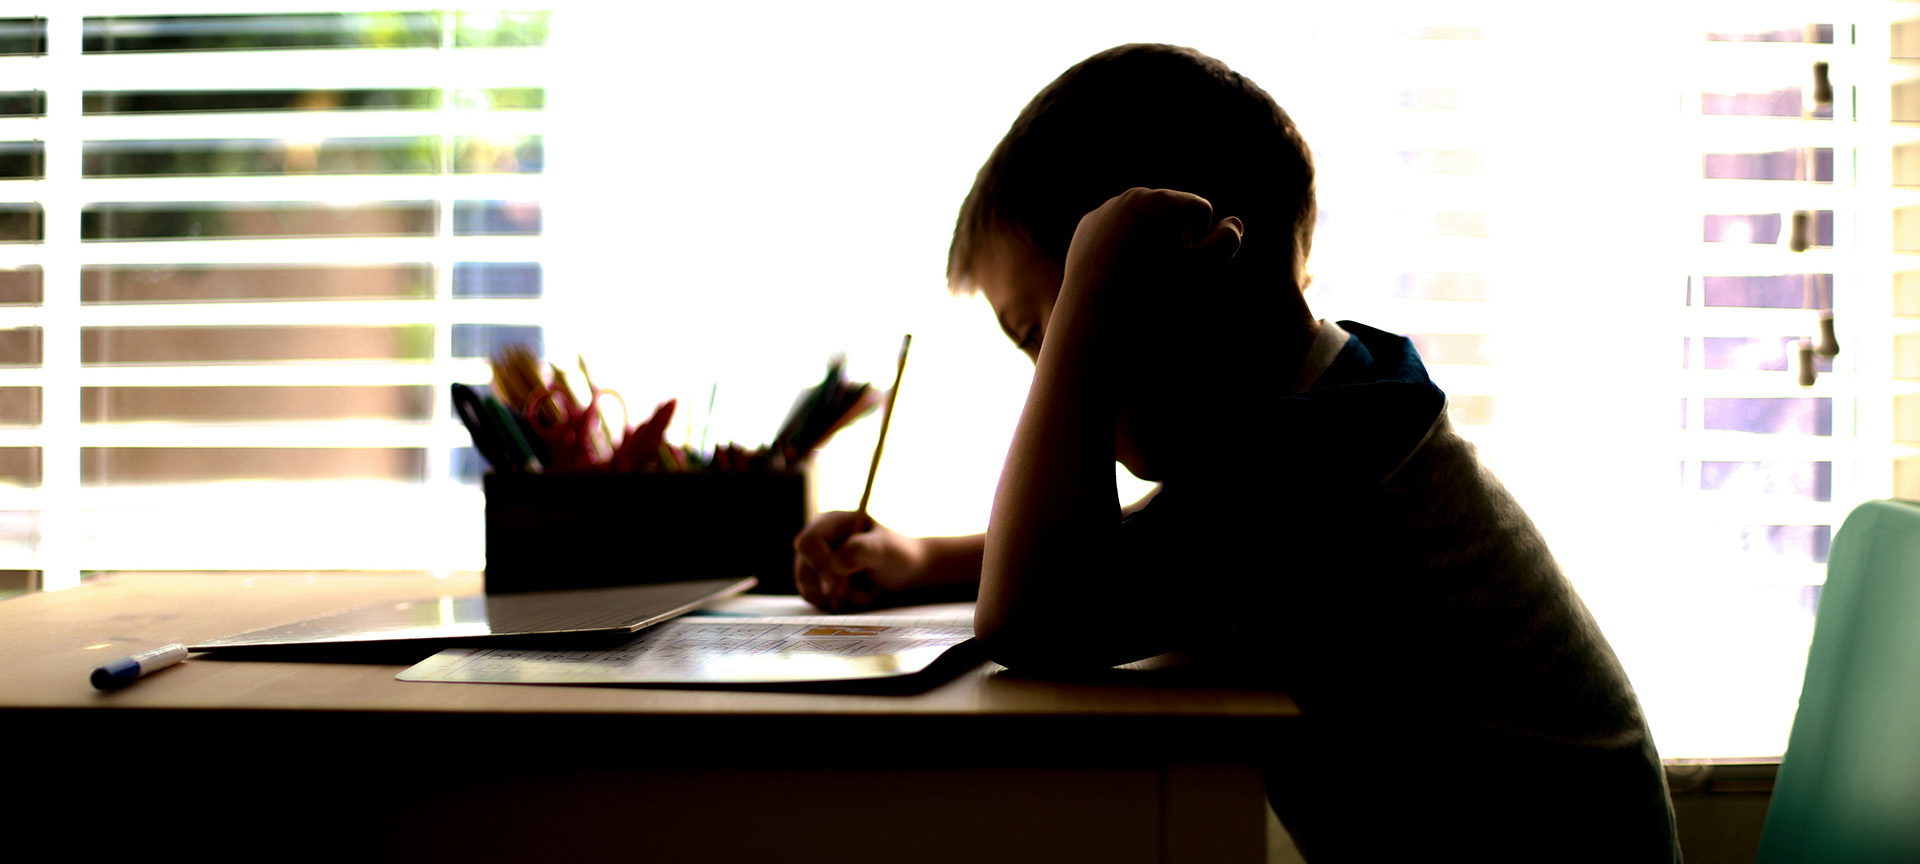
{"points": [[718, 651]]}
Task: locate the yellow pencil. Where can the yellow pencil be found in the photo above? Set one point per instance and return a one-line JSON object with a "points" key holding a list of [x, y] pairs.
{"points": [[886, 419]]}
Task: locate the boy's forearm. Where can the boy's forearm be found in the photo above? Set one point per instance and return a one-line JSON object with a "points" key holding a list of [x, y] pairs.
{"points": [[1056, 512], [952, 560], [1055, 589]]}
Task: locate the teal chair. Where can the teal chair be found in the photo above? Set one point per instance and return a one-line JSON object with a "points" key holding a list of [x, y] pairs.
{"points": [[1849, 787]]}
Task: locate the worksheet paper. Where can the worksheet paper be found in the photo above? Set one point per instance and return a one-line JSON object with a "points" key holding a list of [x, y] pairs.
{"points": [[719, 650]]}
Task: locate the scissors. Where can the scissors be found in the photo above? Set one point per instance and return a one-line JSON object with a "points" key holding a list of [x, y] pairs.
{"points": [[573, 432]]}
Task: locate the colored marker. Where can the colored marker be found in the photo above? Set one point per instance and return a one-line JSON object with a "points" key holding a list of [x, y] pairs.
{"points": [[127, 670]]}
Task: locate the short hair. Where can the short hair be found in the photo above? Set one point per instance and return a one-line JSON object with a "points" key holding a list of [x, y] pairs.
{"points": [[1158, 116]]}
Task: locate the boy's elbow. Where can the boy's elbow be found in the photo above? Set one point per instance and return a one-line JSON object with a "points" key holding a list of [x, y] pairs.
{"points": [[1007, 629], [1023, 652], [1030, 646], [1045, 626]]}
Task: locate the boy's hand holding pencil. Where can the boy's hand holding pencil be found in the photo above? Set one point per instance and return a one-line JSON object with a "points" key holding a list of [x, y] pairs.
{"points": [[844, 560], [831, 580]]}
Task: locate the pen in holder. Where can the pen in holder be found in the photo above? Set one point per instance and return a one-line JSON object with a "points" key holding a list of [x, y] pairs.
{"points": [[595, 530]]}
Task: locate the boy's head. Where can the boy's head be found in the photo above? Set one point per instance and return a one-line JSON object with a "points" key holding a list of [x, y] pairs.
{"points": [[1156, 116]]}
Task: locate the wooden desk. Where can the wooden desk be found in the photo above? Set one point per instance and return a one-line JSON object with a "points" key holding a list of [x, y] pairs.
{"points": [[278, 760]]}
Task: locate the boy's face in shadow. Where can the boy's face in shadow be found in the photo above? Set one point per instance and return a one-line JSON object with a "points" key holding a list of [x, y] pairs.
{"points": [[1022, 284]]}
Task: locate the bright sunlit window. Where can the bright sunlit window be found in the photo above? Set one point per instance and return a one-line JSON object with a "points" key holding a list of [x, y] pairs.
{"points": [[245, 248]]}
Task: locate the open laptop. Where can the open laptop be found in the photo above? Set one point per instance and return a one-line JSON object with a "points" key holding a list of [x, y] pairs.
{"points": [[469, 619]]}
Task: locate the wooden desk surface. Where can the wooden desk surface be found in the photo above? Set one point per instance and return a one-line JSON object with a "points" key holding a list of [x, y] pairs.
{"points": [[1134, 765], [53, 640]]}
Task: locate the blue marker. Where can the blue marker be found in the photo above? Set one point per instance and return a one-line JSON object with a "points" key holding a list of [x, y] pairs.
{"points": [[127, 670]]}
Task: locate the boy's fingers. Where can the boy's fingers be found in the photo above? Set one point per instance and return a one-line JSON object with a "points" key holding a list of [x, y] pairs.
{"points": [[809, 576], [1195, 214], [854, 556], [833, 591], [849, 581], [833, 525], [814, 550], [830, 531], [830, 551], [812, 556], [806, 581], [1217, 239], [820, 589], [841, 523], [1223, 241]]}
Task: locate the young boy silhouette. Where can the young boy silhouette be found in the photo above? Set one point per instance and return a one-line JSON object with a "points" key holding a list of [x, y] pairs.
{"points": [[1141, 232]]}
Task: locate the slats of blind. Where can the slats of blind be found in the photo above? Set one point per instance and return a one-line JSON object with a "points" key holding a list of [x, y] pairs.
{"points": [[242, 254], [1707, 298], [1903, 241], [1768, 149]]}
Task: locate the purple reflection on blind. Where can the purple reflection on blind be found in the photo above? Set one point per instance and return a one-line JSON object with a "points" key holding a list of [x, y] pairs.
{"points": [[1807, 542], [496, 217], [1760, 227], [1805, 481], [1823, 228], [1749, 228], [496, 279], [1791, 416], [1755, 353], [1822, 35], [488, 340], [1760, 292], [1778, 165], [1786, 102], [1809, 598]]}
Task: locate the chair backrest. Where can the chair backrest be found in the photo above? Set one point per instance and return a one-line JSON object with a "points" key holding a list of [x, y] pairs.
{"points": [[1849, 787]]}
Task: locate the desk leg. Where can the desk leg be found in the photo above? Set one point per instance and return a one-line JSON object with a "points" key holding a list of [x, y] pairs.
{"points": [[1213, 814]]}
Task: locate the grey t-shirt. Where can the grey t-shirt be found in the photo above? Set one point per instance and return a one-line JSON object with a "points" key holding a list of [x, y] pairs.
{"points": [[1456, 695]]}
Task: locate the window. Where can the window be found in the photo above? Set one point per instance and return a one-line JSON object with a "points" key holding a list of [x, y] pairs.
{"points": [[1586, 227], [244, 256], [1596, 255]]}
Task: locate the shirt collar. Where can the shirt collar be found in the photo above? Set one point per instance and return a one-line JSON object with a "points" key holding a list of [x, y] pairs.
{"points": [[1320, 355]]}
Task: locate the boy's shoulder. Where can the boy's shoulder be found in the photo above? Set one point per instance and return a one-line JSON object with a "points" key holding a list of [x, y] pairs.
{"points": [[1361, 417], [1374, 356]]}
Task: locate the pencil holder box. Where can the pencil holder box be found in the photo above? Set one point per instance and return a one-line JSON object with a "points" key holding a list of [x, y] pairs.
{"points": [[558, 531]]}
